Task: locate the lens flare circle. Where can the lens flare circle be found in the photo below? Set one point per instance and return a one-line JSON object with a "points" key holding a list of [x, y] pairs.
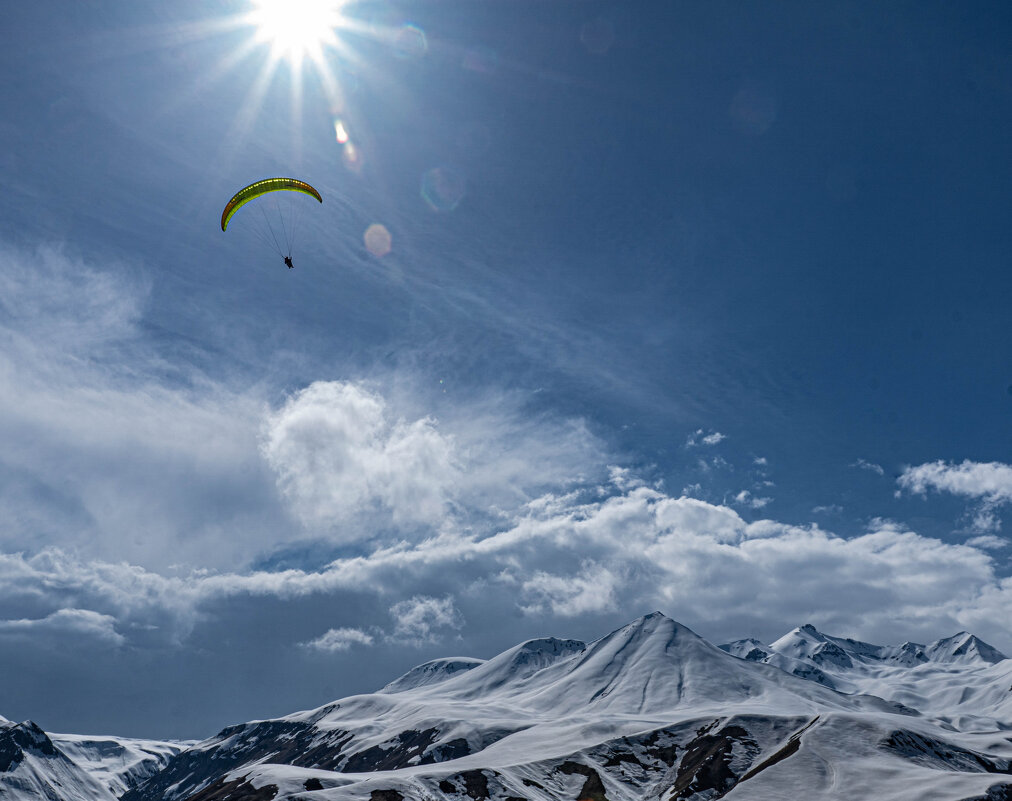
{"points": [[443, 188], [378, 240], [296, 28]]}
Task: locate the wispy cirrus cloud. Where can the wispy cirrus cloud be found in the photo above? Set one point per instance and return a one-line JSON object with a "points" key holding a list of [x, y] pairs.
{"points": [[864, 464]]}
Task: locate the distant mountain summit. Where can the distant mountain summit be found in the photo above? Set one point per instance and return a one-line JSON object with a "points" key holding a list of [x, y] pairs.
{"points": [[32, 768], [432, 672], [810, 646], [963, 649], [649, 712]]}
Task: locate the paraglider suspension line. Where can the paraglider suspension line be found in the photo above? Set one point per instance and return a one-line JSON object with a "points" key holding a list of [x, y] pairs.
{"points": [[273, 236], [284, 231]]}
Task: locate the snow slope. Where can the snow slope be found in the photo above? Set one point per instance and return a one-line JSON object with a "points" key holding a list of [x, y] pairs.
{"points": [[959, 681], [650, 711], [118, 763], [32, 767]]}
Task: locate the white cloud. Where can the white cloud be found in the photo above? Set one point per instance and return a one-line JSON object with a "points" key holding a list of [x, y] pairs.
{"points": [[590, 590], [110, 447], [987, 541], [339, 640], [418, 619], [341, 451], [831, 509], [991, 481], [337, 451], [64, 622], [699, 437], [623, 478], [639, 549], [746, 498], [866, 465]]}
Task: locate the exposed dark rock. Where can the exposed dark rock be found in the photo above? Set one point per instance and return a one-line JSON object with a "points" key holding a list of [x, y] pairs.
{"points": [[385, 795], [475, 784], [618, 757], [705, 766], [789, 750], [532, 783], [938, 754], [667, 753], [394, 754], [996, 792], [312, 783], [278, 742], [593, 787], [235, 790], [17, 738], [446, 787], [455, 749]]}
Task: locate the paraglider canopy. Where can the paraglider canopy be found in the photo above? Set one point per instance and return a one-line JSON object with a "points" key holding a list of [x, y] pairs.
{"points": [[255, 190]]}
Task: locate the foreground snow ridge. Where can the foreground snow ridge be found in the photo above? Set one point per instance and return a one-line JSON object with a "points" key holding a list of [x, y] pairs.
{"points": [[649, 712]]}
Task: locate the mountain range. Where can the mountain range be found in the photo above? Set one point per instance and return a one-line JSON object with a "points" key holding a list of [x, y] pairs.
{"points": [[649, 712]]}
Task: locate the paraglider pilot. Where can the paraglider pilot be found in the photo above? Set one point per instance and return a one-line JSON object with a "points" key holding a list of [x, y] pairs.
{"points": [[288, 261]]}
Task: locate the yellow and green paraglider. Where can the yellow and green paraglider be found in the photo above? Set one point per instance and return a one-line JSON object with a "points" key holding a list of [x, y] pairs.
{"points": [[286, 220]]}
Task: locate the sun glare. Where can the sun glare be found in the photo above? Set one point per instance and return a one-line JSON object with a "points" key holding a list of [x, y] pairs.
{"points": [[297, 28]]}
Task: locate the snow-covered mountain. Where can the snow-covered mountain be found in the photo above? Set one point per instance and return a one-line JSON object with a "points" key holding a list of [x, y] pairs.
{"points": [[32, 767], [70, 767], [959, 680], [650, 712], [118, 763]]}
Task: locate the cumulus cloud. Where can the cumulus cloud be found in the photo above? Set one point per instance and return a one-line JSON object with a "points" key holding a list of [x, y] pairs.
{"points": [[638, 549], [418, 620], [988, 482], [341, 452], [746, 498], [700, 437], [339, 640], [991, 481], [336, 449], [66, 622], [591, 590]]}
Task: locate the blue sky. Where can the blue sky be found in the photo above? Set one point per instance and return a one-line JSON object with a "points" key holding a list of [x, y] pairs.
{"points": [[697, 307]]}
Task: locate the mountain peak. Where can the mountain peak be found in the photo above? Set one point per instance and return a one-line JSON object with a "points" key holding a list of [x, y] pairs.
{"points": [[432, 672], [963, 648]]}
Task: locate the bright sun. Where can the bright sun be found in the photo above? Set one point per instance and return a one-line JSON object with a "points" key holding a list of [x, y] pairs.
{"points": [[296, 28]]}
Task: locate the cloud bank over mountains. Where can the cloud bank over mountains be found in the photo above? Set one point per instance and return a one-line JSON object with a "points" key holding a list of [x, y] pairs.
{"points": [[147, 505]]}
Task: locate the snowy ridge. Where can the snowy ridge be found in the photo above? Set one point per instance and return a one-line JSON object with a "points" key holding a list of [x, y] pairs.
{"points": [[959, 681], [649, 712], [118, 763], [33, 768], [432, 672]]}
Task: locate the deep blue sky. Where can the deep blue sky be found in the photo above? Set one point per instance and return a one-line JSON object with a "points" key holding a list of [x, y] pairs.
{"points": [[714, 264]]}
